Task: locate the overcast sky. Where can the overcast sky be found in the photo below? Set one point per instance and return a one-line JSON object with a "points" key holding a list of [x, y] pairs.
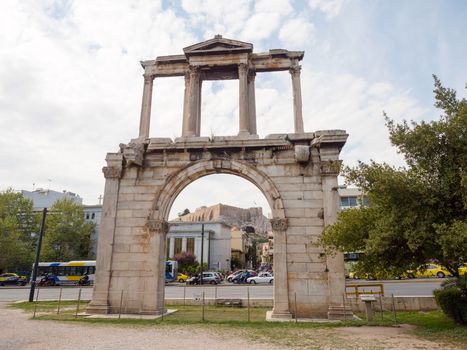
{"points": [[71, 84]]}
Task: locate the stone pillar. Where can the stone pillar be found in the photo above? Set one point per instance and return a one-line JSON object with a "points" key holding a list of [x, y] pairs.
{"points": [[183, 244], [171, 247], [112, 173], [252, 102], [145, 119], [198, 115], [281, 286], [243, 99], [297, 99], [154, 291], [192, 108], [330, 168], [186, 105]]}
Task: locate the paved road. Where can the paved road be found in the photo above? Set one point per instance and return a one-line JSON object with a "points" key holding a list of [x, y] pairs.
{"points": [[398, 288]]}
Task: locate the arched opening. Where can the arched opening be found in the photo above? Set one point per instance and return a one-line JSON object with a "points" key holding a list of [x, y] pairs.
{"points": [[225, 214]]}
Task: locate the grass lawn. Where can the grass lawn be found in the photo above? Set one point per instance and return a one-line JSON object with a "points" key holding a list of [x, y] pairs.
{"points": [[431, 325]]}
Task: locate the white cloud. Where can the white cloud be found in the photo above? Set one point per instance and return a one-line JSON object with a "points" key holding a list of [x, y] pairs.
{"points": [[330, 8], [297, 33]]}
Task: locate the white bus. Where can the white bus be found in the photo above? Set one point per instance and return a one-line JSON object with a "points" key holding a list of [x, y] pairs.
{"points": [[66, 273]]}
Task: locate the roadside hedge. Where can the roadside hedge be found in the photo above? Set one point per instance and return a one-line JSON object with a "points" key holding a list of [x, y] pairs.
{"points": [[453, 302]]}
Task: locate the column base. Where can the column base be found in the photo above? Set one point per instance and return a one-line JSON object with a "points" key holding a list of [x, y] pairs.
{"points": [[340, 313], [98, 307], [274, 315]]}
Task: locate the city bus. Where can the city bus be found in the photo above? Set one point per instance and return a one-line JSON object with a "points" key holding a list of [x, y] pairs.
{"points": [[171, 270], [69, 273], [66, 273]]}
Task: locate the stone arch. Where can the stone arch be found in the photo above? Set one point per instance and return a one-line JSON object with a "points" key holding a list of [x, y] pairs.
{"points": [[181, 179]]}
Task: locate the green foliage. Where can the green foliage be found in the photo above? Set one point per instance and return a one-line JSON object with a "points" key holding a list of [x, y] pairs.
{"points": [[68, 234], [452, 299], [17, 222], [417, 213], [186, 261]]}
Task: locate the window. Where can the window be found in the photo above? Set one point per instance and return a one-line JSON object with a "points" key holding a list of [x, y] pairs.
{"points": [[87, 216], [190, 245], [349, 201], [177, 246], [93, 215]]}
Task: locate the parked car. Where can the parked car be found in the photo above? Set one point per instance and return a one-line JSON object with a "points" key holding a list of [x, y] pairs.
{"points": [[463, 270], [237, 274], [181, 277], [263, 277], [208, 278], [429, 270], [13, 279], [242, 277]]}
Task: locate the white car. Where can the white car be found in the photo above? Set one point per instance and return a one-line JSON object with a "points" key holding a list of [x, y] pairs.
{"points": [[263, 277]]}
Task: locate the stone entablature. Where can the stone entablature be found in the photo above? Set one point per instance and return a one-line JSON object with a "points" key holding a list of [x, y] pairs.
{"points": [[221, 59]]}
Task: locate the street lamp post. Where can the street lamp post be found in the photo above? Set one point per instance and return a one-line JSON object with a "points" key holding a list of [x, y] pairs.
{"points": [[38, 253]]}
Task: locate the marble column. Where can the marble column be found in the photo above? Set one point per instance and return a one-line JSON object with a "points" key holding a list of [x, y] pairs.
{"points": [[100, 303], [252, 102], [171, 247], [193, 101], [154, 291], [281, 285], [145, 119], [243, 99], [297, 98], [186, 105]]}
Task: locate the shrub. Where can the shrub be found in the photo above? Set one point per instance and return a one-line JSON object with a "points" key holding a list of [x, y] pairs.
{"points": [[453, 301]]}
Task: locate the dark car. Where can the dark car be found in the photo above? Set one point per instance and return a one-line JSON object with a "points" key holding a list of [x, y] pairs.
{"points": [[208, 278], [9, 279]]}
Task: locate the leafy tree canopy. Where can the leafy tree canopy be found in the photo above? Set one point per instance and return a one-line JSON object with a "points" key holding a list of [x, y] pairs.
{"points": [[67, 234], [417, 213], [17, 222]]}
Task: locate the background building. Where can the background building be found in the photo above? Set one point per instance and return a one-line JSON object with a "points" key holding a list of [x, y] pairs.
{"points": [[42, 198]]}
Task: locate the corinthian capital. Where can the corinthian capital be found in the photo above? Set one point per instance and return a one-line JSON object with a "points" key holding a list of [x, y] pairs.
{"points": [[112, 172], [330, 167], [158, 226], [295, 70], [279, 224], [242, 68]]}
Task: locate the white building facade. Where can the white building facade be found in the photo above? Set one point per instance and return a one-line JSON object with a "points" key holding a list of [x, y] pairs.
{"points": [[188, 237]]}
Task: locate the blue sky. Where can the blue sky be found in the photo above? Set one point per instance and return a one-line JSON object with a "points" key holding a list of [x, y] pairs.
{"points": [[71, 86]]}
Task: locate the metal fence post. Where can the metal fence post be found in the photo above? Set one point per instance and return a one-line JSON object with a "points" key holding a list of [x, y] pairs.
{"points": [[59, 300], [343, 303], [35, 304], [295, 307], [184, 296], [202, 309], [248, 302], [381, 306], [121, 301], [77, 305], [394, 309]]}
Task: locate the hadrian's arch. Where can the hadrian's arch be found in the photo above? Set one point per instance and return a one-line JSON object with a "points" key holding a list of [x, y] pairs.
{"points": [[296, 172]]}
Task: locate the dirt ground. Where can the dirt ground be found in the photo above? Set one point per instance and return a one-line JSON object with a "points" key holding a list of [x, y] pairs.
{"points": [[18, 332]]}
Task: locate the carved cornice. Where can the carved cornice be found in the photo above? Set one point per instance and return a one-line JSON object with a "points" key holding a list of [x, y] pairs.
{"points": [[112, 172], [279, 224], [158, 226], [330, 167]]}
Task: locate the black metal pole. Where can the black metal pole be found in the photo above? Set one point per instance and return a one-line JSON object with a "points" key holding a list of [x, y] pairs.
{"points": [[38, 253], [202, 255]]}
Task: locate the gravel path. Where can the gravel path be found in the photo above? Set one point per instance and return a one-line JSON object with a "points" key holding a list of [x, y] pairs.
{"points": [[18, 332]]}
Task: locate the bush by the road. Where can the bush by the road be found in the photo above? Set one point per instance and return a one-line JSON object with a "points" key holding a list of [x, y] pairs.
{"points": [[452, 299]]}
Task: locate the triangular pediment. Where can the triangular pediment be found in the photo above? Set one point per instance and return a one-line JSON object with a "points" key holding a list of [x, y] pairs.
{"points": [[218, 45]]}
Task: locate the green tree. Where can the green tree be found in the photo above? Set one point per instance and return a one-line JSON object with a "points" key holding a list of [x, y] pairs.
{"points": [[67, 234], [417, 213], [17, 222]]}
